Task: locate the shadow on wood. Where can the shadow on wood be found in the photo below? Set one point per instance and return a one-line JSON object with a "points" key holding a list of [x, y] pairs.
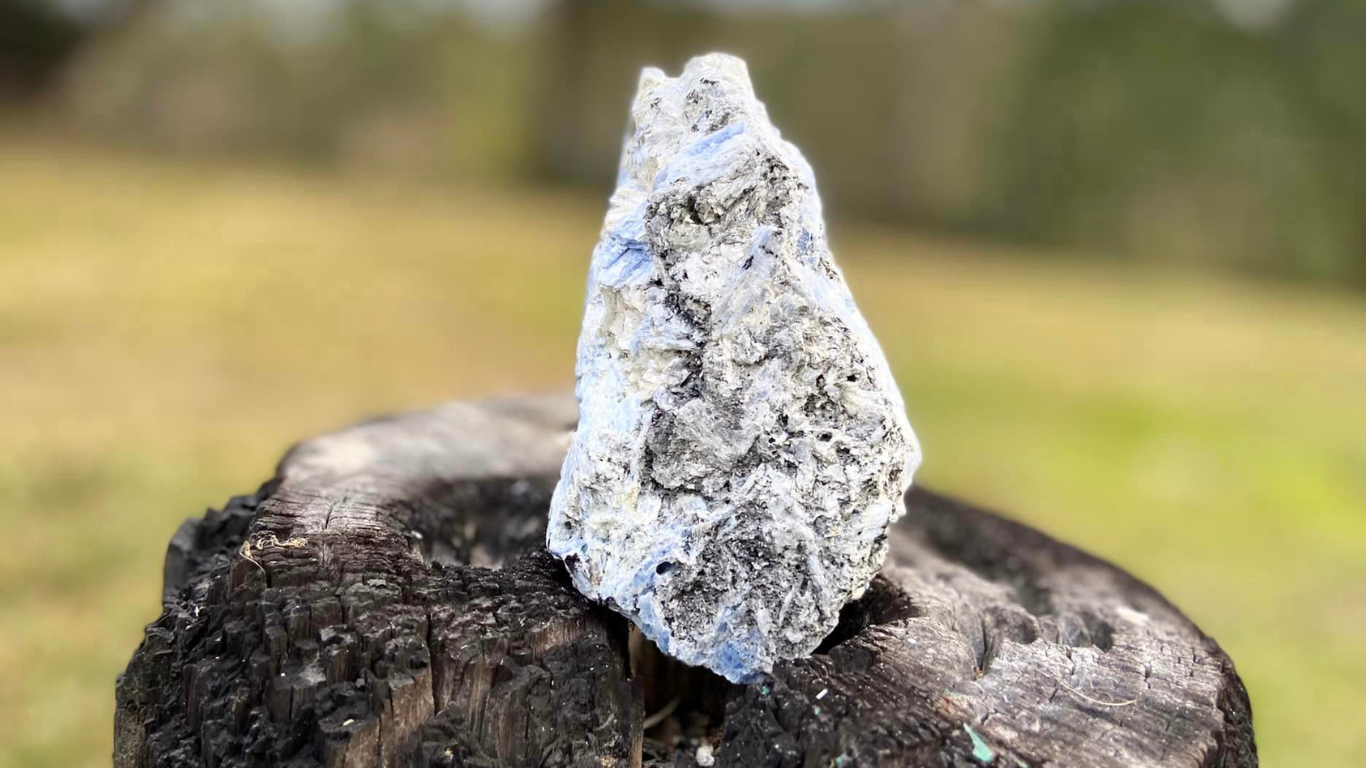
{"points": [[386, 600]]}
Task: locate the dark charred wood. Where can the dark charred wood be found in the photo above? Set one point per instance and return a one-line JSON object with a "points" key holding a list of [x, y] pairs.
{"points": [[386, 600]]}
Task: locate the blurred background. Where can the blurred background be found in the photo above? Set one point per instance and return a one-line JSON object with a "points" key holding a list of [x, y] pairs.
{"points": [[1116, 250]]}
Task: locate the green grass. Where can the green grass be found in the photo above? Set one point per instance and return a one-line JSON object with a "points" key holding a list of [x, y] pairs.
{"points": [[168, 328]]}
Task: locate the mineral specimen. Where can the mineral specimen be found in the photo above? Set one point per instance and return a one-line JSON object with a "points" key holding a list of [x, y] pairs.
{"points": [[741, 446]]}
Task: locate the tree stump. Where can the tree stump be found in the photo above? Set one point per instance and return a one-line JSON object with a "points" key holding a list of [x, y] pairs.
{"points": [[386, 600]]}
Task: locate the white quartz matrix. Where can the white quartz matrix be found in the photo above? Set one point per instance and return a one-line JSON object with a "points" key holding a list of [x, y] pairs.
{"points": [[741, 446]]}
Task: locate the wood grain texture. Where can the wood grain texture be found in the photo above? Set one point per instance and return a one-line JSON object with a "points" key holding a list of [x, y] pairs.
{"points": [[386, 600]]}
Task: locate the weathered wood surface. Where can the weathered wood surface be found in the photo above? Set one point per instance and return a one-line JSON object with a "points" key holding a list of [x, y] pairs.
{"points": [[386, 601]]}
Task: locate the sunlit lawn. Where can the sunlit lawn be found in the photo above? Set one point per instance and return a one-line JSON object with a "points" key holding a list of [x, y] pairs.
{"points": [[167, 329]]}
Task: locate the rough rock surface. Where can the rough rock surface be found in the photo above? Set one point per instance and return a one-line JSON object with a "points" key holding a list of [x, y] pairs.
{"points": [[742, 446]]}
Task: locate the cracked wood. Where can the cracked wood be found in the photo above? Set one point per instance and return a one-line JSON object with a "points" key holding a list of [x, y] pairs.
{"points": [[398, 608]]}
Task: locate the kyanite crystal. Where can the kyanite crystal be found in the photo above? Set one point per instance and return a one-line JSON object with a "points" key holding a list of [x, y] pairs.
{"points": [[741, 446]]}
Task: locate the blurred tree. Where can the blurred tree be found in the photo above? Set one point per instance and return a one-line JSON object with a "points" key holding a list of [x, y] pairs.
{"points": [[38, 37], [1194, 130], [568, 28], [1322, 55], [35, 40], [1163, 130], [412, 86]]}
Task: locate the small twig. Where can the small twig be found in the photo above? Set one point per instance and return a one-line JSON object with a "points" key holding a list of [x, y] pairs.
{"points": [[662, 714], [268, 541], [245, 552], [274, 541], [1098, 702]]}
